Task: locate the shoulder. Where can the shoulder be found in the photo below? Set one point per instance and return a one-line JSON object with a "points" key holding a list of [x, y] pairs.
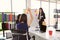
{"points": [[43, 13]]}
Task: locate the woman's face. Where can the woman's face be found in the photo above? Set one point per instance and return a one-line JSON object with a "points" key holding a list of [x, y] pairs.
{"points": [[40, 10]]}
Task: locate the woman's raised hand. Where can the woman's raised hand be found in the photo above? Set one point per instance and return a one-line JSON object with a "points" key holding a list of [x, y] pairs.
{"points": [[29, 10]]}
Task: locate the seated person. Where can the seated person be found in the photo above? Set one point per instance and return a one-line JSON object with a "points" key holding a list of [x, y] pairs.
{"points": [[23, 24]]}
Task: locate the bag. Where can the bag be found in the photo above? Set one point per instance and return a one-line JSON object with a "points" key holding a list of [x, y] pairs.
{"points": [[44, 23], [43, 28]]}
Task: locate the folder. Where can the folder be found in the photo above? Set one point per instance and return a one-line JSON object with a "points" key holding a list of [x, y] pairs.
{"points": [[10, 16]]}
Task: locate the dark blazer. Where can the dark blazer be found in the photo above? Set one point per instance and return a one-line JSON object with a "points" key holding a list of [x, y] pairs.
{"points": [[42, 19]]}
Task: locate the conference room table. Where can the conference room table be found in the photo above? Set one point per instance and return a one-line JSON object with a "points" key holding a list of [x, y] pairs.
{"points": [[34, 33], [41, 36]]}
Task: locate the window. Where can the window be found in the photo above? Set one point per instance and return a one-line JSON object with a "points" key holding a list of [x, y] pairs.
{"points": [[35, 4], [52, 13], [5, 5], [18, 6], [58, 7]]}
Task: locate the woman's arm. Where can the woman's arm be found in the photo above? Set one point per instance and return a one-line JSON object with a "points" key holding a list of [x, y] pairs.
{"points": [[31, 17], [39, 16], [44, 16]]}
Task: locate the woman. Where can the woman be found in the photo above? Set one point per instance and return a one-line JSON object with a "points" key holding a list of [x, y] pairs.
{"points": [[41, 18], [23, 25]]}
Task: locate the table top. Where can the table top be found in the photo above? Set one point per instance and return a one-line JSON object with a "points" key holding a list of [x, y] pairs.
{"points": [[1, 34], [43, 35], [38, 33]]}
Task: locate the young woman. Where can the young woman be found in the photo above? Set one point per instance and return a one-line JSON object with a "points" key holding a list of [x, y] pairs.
{"points": [[41, 18], [23, 25]]}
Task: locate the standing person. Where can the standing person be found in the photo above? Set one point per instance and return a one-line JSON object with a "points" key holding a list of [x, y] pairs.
{"points": [[41, 18], [23, 25]]}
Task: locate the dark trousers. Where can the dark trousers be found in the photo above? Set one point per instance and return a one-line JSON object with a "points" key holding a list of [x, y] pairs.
{"points": [[40, 24], [42, 27], [22, 37]]}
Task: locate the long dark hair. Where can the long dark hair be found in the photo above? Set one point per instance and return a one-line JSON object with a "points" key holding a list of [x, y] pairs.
{"points": [[42, 10], [41, 13], [18, 18], [23, 18]]}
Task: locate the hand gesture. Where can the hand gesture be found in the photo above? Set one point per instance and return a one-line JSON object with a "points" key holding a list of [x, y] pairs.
{"points": [[29, 10]]}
